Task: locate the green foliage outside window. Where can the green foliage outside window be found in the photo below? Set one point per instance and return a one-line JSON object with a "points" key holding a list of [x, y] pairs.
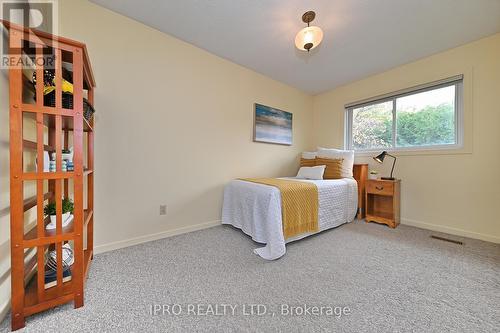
{"points": [[432, 125]]}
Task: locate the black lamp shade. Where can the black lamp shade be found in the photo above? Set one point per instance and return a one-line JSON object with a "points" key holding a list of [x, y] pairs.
{"points": [[380, 158]]}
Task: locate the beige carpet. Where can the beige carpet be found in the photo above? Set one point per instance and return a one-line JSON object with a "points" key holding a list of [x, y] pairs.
{"points": [[390, 280]]}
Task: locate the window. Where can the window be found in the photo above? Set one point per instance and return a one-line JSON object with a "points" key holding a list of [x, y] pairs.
{"points": [[424, 117]]}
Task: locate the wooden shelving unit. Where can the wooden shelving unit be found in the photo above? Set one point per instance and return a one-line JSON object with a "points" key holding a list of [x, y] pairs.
{"points": [[55, 128]]}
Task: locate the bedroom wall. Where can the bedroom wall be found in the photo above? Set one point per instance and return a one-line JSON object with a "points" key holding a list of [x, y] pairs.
{"points": [[448, 191], [174, 124]]}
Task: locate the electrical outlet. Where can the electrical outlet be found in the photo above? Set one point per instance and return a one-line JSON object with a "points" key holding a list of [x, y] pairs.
{"points": [[163, 209]]}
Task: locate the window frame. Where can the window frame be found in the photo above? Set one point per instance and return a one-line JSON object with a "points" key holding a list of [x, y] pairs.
{"points": [[456, 81]]}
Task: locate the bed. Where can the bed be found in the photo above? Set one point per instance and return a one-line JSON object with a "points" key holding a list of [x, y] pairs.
{"points": [[256, 209]]}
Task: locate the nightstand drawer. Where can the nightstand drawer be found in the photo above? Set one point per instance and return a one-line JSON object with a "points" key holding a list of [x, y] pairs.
{"points": [[382, 188]]}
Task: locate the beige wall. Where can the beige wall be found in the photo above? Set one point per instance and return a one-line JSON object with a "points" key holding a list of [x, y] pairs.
{"points": [[453, 191], [174, 124]]}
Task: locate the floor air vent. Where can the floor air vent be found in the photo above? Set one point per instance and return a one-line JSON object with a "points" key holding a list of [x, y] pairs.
{"points": [[447, 240]]}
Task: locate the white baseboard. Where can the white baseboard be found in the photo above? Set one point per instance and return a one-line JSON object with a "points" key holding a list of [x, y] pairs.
{"points": [[451, 230], [148, 238]]}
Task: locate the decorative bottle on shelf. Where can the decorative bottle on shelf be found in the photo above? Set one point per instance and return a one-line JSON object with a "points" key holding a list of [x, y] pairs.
{"points": [[52, 166]]}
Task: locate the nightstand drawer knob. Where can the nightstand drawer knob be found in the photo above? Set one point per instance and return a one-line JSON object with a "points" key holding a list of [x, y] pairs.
{"points": [[380, 188]]}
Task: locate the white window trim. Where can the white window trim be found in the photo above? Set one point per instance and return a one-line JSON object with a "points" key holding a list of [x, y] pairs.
{"points": [[456, 81]]}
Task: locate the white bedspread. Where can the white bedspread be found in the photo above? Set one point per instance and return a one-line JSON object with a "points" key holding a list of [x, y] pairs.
{"points": [[256, 210]]}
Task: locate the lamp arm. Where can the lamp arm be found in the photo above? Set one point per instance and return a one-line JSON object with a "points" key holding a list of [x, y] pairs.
{"points": [[393, 163]]}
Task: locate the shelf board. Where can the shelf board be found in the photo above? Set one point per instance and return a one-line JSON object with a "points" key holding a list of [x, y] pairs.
{"points": [[67, 124], [33, 109], [31, 302], [45, 241], [86, 126], [87, 215], [87, 258], [33, 234], [49, 122], [32, 201], [47, 175], [67, 231], [51, 297], [380, 214], [32, 145], [53, 175], [29, 266]]}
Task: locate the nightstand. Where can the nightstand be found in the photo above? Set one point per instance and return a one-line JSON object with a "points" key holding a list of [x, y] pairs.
{"points": [[382, 201]]}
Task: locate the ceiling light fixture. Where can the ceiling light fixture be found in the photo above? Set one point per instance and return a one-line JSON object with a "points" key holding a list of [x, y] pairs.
{"points": [[309, 37]]}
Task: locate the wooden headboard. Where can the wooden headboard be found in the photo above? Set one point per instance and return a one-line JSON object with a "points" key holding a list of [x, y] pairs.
{"points": [[360, 173]]}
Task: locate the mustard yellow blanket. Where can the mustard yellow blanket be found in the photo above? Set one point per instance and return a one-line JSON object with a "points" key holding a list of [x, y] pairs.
{"points": [[299, 204]]}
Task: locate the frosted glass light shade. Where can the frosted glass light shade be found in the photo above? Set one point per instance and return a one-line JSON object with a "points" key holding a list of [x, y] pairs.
{"points": [[307, 36]]}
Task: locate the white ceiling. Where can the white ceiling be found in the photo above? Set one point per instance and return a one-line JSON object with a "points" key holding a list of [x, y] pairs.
{"points": [[361, 37]]}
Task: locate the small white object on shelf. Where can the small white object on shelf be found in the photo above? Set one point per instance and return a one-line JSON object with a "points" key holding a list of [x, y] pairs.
{"points": [[68, 156], [67, 255], [66, 219]]}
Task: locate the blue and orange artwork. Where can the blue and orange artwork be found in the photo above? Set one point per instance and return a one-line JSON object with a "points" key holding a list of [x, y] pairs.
{"points": [[272, 125]]}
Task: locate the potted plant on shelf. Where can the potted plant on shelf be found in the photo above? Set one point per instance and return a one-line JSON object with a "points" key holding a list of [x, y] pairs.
{"points": [[373, 174], [67, 210]]}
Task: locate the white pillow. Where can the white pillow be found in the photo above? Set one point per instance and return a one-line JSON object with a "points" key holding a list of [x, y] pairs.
{"points": [[309, 155], [315, 172], [347, 155]]}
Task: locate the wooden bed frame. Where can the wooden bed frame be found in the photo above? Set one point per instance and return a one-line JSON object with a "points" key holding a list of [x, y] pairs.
{"points": [[360, 173]]}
